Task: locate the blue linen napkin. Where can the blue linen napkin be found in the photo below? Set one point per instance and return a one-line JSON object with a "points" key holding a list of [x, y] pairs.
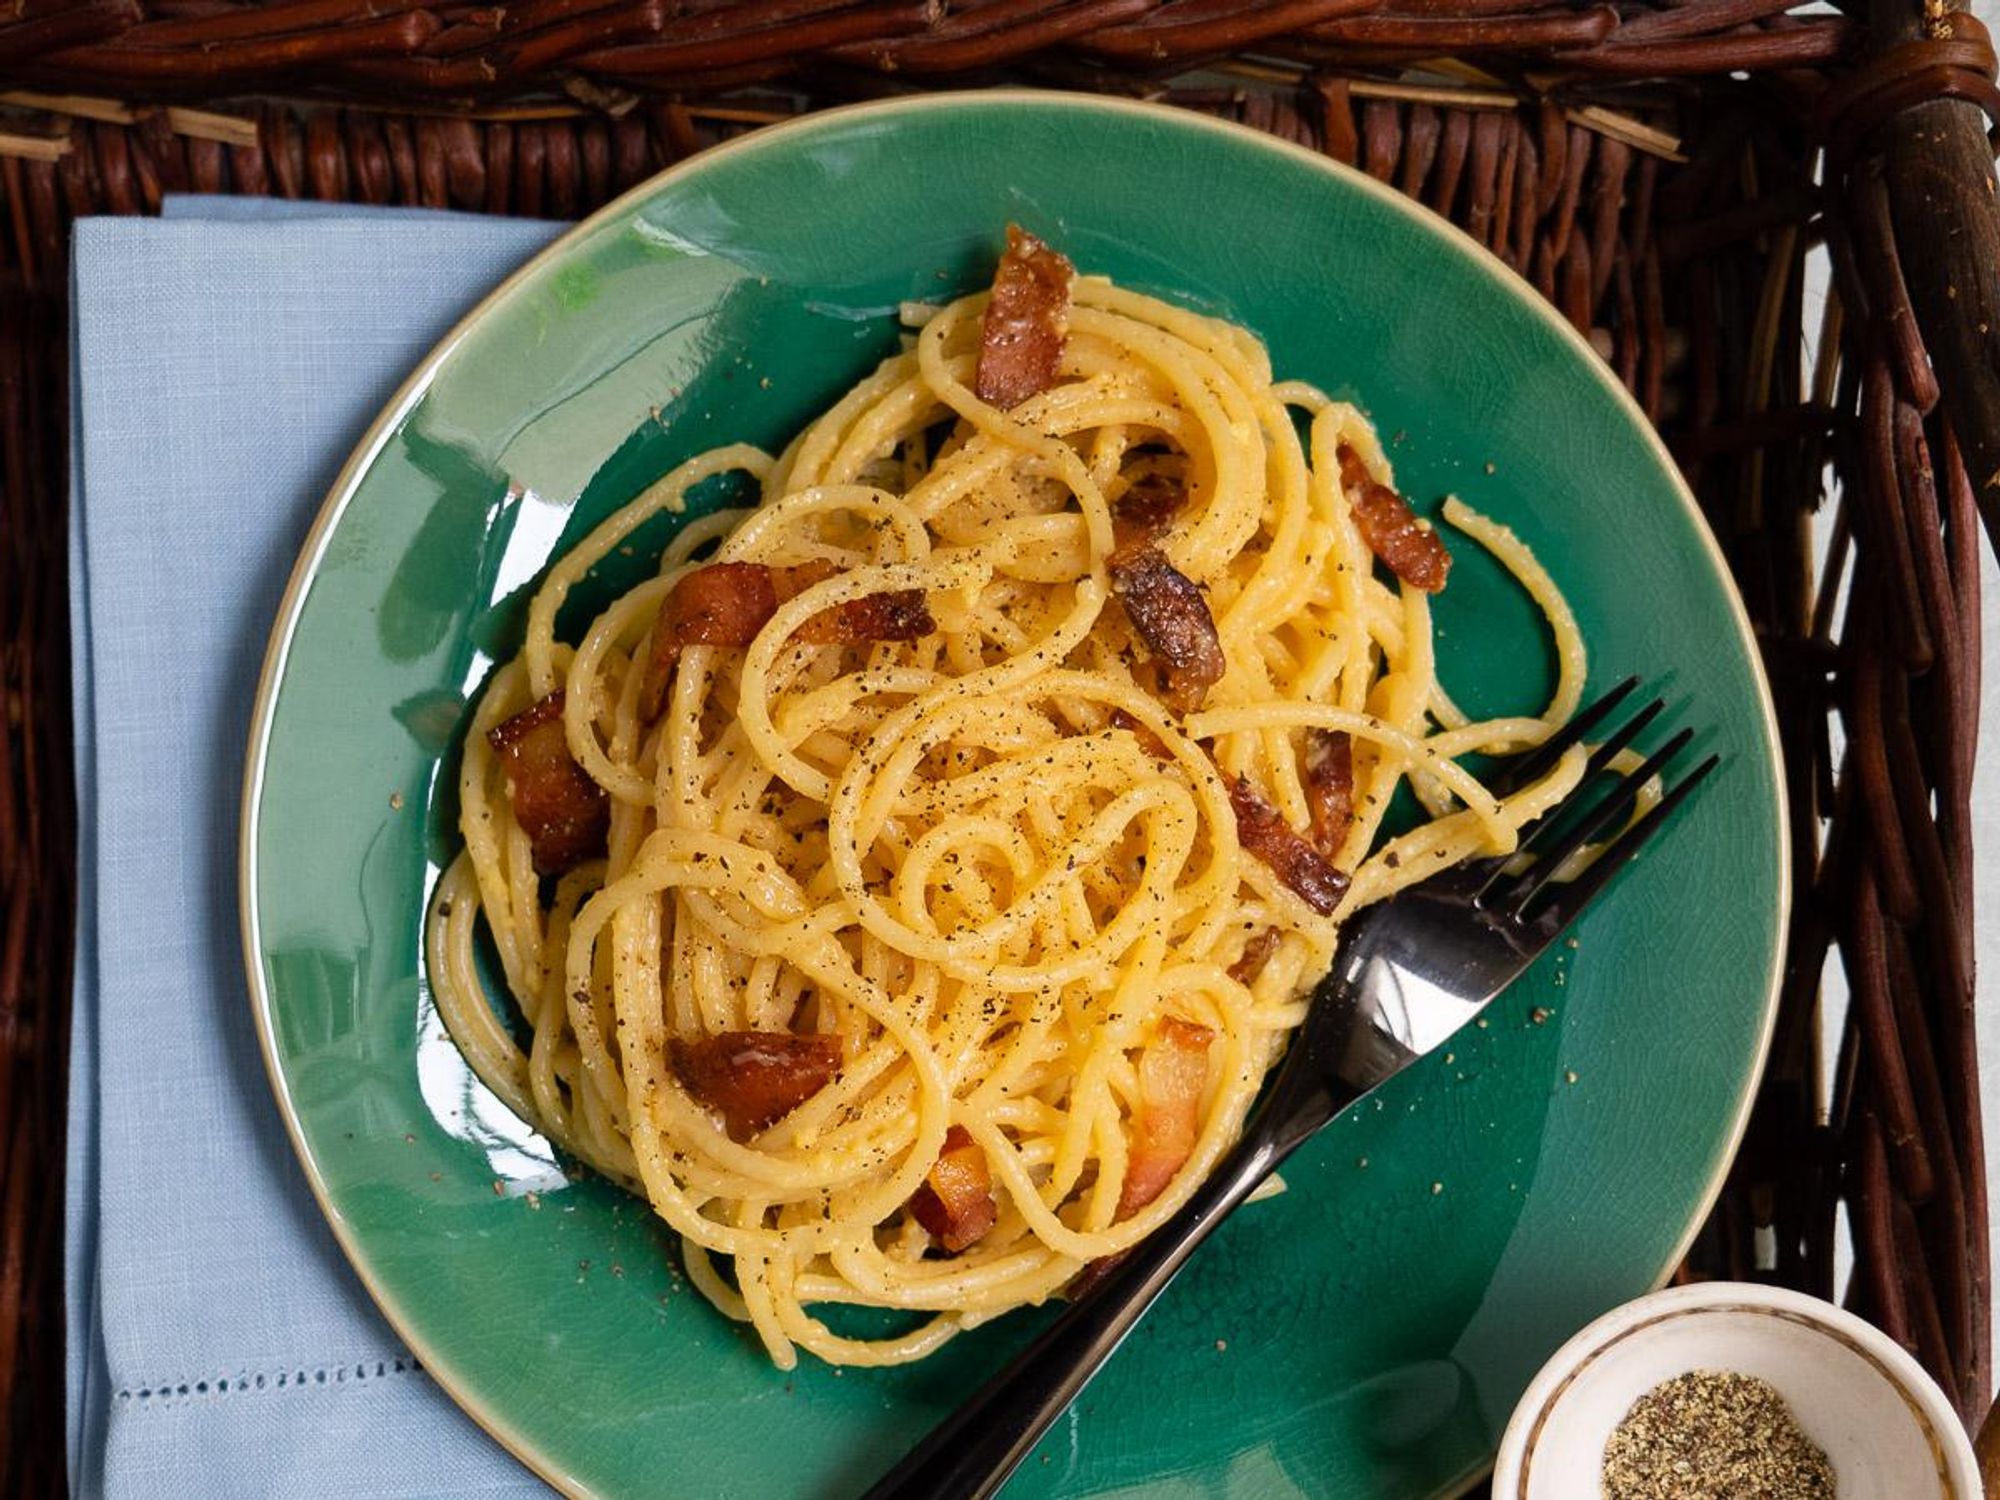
{"points": [[226, 360]]}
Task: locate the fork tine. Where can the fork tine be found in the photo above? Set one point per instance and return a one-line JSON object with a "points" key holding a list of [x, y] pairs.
{"points": [[1608, 813], [1570, 898], [1485, 873], [1615, 743], [1525, 770]]}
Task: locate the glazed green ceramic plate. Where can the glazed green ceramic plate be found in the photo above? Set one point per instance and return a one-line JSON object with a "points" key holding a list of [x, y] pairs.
{"points": [[1362, 1336]]}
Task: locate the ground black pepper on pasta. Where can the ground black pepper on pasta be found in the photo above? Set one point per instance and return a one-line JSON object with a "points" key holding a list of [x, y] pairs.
{"points": [[1711, 1435], [984, 856]]}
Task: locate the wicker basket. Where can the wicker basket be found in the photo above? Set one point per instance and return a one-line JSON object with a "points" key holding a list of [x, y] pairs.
{"points": [[1649, 167]]}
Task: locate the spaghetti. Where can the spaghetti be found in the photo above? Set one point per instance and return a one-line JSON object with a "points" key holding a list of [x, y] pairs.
{"points": [[907, 888]]}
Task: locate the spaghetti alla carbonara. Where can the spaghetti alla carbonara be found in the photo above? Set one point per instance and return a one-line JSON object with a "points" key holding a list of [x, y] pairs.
{"points": [[907, 888]]}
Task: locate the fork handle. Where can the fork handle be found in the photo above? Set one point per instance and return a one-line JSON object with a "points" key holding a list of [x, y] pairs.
{"points": [[969, 1455]]}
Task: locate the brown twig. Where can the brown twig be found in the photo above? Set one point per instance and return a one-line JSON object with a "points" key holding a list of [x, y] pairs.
{"points": [[65, 28], [1185, 30], [1440, 34], [1748, 51], [212, 65], [262, 21], [751, 35]]}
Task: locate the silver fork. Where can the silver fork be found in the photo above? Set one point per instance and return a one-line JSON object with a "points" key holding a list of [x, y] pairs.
{"points": [[1409, 973]]}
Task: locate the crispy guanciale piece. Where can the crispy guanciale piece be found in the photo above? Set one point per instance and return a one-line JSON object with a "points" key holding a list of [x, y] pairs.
{"points": [[1166, 607], [899, 615], [955, 1204], [1329, 767], [1256, 953], [1150, 742], [1415, 553], [723, 604], [1147, 509], [1262, 830], [1021, 344], [1173, 1069], [790, 582], [754, 1078], [563, 812]]}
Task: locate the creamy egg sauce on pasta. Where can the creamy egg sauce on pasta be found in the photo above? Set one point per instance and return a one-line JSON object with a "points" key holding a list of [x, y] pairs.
{"points": [[908, 887]]}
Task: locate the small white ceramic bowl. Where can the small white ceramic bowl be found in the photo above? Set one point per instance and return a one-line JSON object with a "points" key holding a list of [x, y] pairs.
{"points": [[1885, 1426]]}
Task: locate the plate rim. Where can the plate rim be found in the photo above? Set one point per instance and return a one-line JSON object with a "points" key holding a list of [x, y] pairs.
{"points": [[313, 548]]}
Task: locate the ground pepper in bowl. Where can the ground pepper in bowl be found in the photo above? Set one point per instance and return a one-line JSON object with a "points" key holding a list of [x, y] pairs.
{"points": [[1712, 1435]]}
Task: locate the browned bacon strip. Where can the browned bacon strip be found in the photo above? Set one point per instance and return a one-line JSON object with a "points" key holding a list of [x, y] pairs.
{"points": [[899, 615], [1150, 742], [1173, 1069], [754, 1078], [1414, 552], [1021, 344], [1330, 788], [1147, 508], [956, 1201], [563, 812], [723, 604], [789, 583], [1166, 607], [1264, 832], [1256, 953]]}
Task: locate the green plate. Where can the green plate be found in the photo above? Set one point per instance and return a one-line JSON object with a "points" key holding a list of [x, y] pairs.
{"points": [[1364, 1335]]}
